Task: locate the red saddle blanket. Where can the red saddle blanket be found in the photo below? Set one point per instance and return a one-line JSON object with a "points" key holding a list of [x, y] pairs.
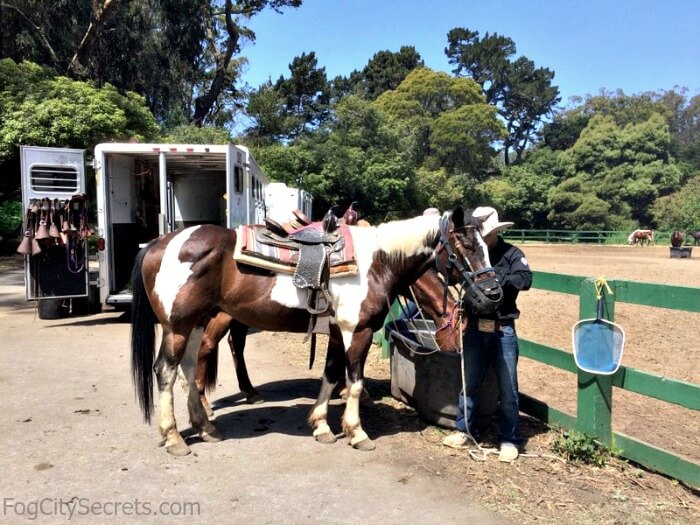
{"points": [[255, 247]]}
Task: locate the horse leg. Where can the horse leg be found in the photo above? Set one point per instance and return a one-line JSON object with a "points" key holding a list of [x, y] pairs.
{"points": [[198, 416], [171, 351], [236, 340], [355, 362], [208, 353], [332, 373]]}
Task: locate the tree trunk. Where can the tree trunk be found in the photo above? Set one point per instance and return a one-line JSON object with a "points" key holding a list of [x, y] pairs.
{"points": [[204, 103], [97, 21]]}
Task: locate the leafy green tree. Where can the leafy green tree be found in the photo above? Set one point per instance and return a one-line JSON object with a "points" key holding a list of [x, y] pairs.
{"points": [[359, 156], [39, 109], [306, 94], [680, 210], [523, 93], [65, 113], [521, 190], [183, 56], [384, 72], [271, 121], [448, 120], [190, 134]]}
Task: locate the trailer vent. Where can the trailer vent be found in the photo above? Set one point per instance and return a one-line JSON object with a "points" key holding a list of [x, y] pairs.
{"points": [[59, 179]]}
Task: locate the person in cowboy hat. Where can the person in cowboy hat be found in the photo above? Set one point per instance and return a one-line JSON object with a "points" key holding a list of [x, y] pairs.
{"points": [[493, 341]]}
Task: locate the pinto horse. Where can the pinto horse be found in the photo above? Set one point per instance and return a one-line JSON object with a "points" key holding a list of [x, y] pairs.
{"points": [[641, 238], [428, 291], [182, 277]]}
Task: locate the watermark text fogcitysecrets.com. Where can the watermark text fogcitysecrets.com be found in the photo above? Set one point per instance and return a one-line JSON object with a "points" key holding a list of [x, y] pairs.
{"points": [[68, 508]]}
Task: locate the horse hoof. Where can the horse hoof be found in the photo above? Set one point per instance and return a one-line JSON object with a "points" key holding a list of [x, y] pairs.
{"points": [[254, 399], [178, 449], [327, 438], [212, 437], [365, 444]]}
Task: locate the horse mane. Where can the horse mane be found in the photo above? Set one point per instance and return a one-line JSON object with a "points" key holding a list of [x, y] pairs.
{"points": [[403, 239]]}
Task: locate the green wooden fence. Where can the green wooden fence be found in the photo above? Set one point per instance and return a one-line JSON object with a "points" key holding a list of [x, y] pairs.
{"points": [[595, 392], [580, 236]]}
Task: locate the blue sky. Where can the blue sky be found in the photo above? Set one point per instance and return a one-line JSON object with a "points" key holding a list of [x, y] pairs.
{"points": [[636, 46]]}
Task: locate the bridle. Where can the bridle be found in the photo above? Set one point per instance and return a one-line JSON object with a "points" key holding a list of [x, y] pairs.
{"points": [[483, 296]]}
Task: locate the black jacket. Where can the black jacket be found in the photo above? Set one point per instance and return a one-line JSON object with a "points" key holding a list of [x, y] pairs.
{"points": [[513, 273]]}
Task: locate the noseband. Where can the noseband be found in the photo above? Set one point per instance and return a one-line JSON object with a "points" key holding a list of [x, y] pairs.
{"points": [[482, 296]]}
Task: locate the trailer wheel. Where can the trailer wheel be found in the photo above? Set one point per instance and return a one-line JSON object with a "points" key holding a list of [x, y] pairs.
{"points": [[52, 309], [87, 305]]}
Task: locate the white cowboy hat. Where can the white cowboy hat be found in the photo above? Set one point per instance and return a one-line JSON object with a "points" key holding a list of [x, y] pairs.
{"points": [[491, 223]]}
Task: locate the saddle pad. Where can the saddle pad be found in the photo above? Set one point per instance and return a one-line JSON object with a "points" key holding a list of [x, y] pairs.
{"points": [[249, 250]]}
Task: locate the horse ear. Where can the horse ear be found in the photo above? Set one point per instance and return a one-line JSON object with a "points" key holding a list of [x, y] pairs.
{"points": [[458, 216]]}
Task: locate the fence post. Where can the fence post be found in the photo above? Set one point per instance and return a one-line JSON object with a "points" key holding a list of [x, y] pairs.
{"points": [[594, 400]]}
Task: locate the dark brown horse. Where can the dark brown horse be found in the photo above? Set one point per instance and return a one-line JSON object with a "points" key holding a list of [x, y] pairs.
{"points": [[676, 239], [428, 291], [182, 277]]}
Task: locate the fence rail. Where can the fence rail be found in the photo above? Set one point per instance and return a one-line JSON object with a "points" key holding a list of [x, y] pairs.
{"points": [[594, 392], [582, 236]]}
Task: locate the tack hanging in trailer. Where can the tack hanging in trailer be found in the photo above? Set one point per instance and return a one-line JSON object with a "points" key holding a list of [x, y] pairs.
{"points": [[142, 191]]}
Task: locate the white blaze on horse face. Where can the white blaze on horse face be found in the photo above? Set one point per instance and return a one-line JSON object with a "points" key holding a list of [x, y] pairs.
{"points": [[173, 273], [485, 250]]}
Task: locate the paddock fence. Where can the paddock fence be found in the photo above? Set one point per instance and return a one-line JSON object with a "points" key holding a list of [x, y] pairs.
{"points": [[595, 392], [581, 236]]}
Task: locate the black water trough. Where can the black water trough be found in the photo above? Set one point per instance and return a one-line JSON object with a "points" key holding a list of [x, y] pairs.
{"points": [[430, 383], [682, 252]]}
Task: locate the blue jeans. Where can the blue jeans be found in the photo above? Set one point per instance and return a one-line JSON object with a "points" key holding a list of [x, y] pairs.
{"points": [[500, 350]]}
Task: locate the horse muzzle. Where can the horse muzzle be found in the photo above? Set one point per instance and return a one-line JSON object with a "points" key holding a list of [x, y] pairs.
{"points": [[483, 297]]}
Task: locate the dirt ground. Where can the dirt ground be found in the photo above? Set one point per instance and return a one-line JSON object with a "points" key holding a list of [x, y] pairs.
{"points": [[542, 489], [411, 473]]}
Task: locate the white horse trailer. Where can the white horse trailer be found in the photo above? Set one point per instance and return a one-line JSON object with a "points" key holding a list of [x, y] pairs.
{"points": [[281, 200], [143, 191]]}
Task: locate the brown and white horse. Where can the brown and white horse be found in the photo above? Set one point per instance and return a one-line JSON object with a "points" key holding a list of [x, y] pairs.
{"points": [[641, 238], [186, 275], [427, 291]]}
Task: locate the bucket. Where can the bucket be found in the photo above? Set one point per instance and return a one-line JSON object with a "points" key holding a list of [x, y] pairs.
{"points": [[430, 382]]}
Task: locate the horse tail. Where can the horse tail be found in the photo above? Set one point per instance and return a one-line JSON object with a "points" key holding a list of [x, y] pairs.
{"points": [[143, 338], [212, 367]]}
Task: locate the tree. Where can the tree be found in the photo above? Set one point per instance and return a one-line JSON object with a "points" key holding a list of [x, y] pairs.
{"points": [[384, 72], [523, 93], [448, 120], [271, 122], [62, 112], [182, 55], [680, 210], [306, 94]]}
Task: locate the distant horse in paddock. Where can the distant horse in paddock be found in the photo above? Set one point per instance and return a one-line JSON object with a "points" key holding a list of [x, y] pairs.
{"points": [[641, 238], [676, 239], [695, 235], [182, 277]]}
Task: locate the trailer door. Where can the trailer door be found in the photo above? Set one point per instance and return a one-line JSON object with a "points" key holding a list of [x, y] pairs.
{"points": [[236, 188], [53, 188]]}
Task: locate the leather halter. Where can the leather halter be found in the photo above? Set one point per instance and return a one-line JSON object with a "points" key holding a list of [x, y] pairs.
{"points": [[476, 297]]}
